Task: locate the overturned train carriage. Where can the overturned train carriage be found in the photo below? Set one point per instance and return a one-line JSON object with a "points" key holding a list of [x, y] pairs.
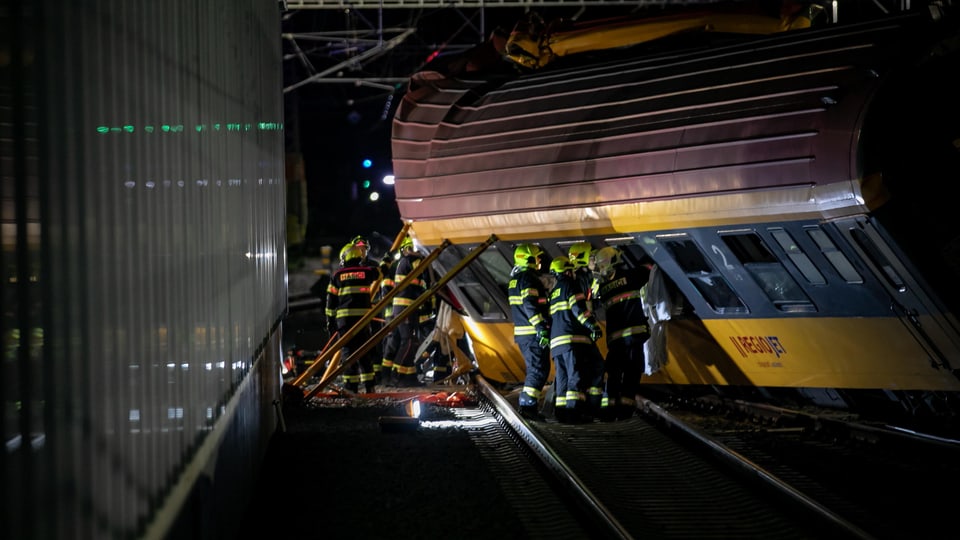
{"points": [[794, 186]]}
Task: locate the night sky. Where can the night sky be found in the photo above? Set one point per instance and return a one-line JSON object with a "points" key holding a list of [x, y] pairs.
{"points": [[335, 138], [336, 125]]}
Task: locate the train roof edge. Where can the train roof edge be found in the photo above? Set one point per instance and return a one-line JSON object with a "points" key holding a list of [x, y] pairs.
{"points": [[632, 139]]}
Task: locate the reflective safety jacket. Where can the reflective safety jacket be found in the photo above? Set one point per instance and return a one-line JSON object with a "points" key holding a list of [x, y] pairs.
{"points": [[621, 299], [584, 278], [571, 318], [348, 295], [386, 285], [528, 302], [414, 290]]}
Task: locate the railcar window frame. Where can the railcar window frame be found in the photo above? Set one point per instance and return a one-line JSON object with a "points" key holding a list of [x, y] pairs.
{"points": [[834, 256], [632, 251], [887, 269], [475, 286], [769, 273], [702, 274], [797, 256]]}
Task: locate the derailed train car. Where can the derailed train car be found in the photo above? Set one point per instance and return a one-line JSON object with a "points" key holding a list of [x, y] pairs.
{"points": [[792, 183]]}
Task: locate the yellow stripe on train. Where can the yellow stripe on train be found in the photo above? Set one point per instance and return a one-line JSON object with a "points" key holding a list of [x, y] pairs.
{"points": [[864, 353], [807, 353]]}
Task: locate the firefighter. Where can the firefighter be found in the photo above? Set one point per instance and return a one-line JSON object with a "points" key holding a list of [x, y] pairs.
{"points": [[579, 255], [348, 300], [627, 329], [361, 242], [387, 374], [411, 330], [574, 332], [531, 325]]}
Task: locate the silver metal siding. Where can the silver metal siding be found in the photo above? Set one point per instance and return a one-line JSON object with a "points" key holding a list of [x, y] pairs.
{"points": [[151, 229]]}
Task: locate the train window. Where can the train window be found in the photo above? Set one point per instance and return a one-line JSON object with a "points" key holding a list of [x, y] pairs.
{"points": [[499, 268], [769, 273], [472, 285], [703, 276], [798, 257], [837, 259], [634, 254], [874, 254]]}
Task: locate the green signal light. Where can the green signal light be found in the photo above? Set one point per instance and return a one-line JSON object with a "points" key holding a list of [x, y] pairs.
{"points": [[366, 184]]}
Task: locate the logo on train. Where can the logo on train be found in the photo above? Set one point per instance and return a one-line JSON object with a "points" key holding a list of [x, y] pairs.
{"points": [[758, 345]]}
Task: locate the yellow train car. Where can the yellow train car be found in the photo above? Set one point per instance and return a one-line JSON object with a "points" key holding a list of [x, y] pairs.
{"points": [[790, 182]]}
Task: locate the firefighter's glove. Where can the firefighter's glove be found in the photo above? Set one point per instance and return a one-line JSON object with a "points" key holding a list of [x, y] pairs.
{"points": [[595, 333], [543, 336]]}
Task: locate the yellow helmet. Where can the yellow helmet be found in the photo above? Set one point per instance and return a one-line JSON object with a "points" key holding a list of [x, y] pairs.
{"points": [[362, 243], [527, 256], [407, 243], [579, 254], [560, 265], [606, 259], [350, 252]]}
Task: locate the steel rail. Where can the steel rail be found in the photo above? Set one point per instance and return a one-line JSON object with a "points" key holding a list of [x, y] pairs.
{"points": [[749, 467], [551, 459]]}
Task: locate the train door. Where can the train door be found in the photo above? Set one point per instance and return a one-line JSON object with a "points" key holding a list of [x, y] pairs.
{"points": [[922, 314]]}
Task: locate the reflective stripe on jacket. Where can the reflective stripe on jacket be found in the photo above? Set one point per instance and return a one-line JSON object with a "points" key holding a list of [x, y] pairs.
{"points": [[528, 301]]}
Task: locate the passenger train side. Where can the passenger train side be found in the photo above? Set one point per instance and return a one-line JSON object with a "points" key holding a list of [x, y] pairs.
{"points": [[791, 184]]}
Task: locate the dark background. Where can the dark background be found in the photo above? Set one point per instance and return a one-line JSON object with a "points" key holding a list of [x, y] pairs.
{"points": [[334, 125]]}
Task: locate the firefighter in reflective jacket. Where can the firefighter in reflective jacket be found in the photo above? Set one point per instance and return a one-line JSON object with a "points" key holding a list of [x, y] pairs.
{"points": [[409, 331], [627, 329], [348, 300], [531, 325], [573, 335], [388, 374], [579, 255]]}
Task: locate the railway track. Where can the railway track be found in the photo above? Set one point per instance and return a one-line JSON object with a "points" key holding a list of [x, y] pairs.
{"points": [[705, 468], [743, 470], [884, 478]]}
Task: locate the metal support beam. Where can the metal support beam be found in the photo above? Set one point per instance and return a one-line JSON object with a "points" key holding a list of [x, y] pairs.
{"points": [[475, 4]]}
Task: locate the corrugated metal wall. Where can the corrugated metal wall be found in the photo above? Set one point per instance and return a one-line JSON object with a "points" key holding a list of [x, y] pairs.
{"points": [[143, 229]]}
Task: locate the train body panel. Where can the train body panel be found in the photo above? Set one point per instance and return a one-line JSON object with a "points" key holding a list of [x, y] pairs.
{"points": [[827, 352], [587, 220], [496, 354], [787, 186], [780, 113], [859, 353]]}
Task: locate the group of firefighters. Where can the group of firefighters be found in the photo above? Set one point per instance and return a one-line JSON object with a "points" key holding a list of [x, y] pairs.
{"points": [[558, 325], [351, 294]]}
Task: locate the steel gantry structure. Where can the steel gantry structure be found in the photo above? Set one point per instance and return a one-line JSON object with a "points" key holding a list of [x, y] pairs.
{"points": [[377, 44]]}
